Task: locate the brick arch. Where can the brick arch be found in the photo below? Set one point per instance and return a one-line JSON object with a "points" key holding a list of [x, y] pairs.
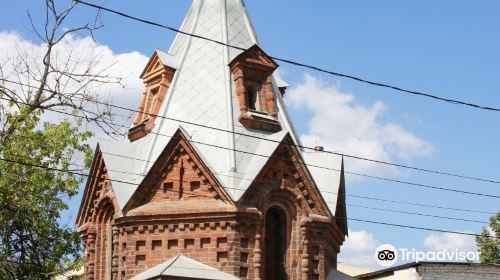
{"points": [[291, 202], [276, 242], [104, 204], [104, 220], [105, 210], [289, 199]]}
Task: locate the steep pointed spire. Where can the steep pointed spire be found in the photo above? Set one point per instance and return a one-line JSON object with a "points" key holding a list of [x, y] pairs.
{"points": [[203, 96], [231, 111]]}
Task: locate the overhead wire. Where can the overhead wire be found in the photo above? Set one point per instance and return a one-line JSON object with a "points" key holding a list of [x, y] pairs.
{"points": [[292, 144], [415, 213], [326, 191], [322, 190], [288, 61], [352, 219], [324, 71], [340, 75], [421, 204], [408, 183]]}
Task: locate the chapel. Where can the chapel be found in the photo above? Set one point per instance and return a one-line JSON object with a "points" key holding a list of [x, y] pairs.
{"points": [[212, 181]]}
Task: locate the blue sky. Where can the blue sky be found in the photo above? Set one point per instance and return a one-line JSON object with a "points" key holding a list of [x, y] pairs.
{"points": [[446, 48]]}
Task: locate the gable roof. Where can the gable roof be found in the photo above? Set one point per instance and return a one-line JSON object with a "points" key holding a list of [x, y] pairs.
{"points": [[178, 141], [202, 99], [455, 266], [334, 274], [122, 161], [256, 54], [182, 266], [165, 58]]}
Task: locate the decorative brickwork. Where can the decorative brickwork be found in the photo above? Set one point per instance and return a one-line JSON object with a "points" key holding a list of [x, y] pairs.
{"points": [[181, 208], [178, 175], [252, 72], [96, 224], [203, 197], [312, 236], [157, 78]]}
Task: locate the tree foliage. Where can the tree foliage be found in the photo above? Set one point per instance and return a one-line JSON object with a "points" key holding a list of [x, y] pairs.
{"points": [[34, 187], [489, 246], [39, 148]]}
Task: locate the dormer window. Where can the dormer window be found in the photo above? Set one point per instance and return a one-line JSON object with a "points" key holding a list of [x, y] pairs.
{"points": [[252, 72], [253, 99], [157, 76], [152, 101]]}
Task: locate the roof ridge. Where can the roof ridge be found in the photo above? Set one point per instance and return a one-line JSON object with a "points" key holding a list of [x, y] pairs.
{"points": [[172, 261]]}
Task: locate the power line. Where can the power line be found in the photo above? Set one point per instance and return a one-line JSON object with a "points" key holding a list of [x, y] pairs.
{"points": [[419, 228], [288, 61], [321, 167], [352, 219], [292, 144], [326, 191], [381, 209], [321, 190], [333, 169], [415, 213], [325, 71], [421, 204]]}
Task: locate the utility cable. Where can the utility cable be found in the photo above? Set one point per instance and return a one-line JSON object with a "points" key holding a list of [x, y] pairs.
{"points": [[428, 186], [438, 172], [291, 62], [352, 219]]}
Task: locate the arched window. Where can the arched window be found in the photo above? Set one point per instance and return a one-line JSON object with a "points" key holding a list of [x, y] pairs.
{"points": [[275, 244], [253, 99], [252, 73], [105, 242]]}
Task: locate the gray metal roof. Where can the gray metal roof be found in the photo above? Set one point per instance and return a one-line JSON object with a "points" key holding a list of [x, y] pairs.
{"points": [[123, 167], [280, 83], [165, 58], [334, 274], [455, 266], [182, 266], [325, 169], [203, 92]]}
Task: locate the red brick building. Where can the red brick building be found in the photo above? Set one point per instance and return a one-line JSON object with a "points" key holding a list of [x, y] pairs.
{"points": [[212, 179]]}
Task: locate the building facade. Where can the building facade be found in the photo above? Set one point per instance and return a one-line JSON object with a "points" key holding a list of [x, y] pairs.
{"points": [[436, 270], [212, 172]]}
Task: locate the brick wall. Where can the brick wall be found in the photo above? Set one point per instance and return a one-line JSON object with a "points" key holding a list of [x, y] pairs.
{"points": [[458, 272], [188, 213], [442, 271], [145, 246]]}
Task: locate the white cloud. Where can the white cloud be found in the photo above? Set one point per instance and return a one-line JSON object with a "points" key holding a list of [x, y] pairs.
{"points": [[358, 250], [339, 124], [127, 66], [82, 50], [450, 242]]}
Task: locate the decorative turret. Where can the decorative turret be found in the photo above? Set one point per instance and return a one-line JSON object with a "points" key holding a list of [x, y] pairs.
{"points": [[212, 176]]}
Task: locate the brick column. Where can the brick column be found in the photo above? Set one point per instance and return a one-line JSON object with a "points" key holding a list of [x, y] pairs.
{"points": [[90, 258], [115, 254], [139, 117], [304, 264], [270, 104], [239, 80], [258, 254]]}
